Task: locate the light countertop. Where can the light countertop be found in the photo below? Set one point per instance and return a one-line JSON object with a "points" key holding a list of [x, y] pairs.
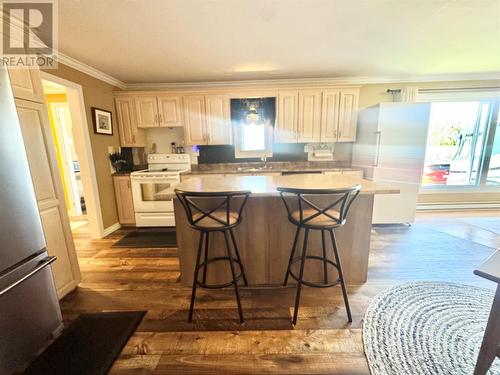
{"points": [[267, 185]]}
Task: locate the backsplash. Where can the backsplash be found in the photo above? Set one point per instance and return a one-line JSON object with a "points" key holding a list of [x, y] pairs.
{"points": [[225, 154], [281, 152]]}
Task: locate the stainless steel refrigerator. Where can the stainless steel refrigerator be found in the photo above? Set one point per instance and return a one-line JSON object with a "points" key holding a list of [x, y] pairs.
{"points": [[29, 308], [390, 148]]}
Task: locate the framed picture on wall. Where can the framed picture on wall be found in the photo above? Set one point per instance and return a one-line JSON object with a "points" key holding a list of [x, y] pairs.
{"points": [[102, 121]]}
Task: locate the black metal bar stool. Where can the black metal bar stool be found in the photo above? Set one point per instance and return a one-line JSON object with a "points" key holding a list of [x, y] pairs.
{"points": [[215, 212], [323, 210]]}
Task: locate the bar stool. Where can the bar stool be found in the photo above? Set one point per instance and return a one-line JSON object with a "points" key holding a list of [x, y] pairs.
{"points": [[322, 210], [215, 212]]}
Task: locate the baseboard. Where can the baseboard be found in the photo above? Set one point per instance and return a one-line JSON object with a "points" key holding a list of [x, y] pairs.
{"points": [[110, 229], [66, 289], [458, 206]]}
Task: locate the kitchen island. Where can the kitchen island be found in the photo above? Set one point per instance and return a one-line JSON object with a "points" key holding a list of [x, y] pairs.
{"points": [[265, 235]]}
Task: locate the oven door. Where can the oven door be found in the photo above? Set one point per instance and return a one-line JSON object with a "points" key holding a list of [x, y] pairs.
{"points": [[153, 194]]}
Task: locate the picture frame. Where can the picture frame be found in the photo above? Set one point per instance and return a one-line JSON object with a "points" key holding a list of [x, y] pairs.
{"points": [[102, 120]]}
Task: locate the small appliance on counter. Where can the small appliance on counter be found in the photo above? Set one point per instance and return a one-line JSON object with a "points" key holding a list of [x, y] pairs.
{"points": [[319, 152], [149, 186]]}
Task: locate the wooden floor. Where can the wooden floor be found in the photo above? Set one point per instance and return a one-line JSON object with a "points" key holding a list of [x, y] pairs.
{"points": [[437, 247]]}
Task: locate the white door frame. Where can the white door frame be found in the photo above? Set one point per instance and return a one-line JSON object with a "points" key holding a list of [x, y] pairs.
{"points": [[84, 150]]}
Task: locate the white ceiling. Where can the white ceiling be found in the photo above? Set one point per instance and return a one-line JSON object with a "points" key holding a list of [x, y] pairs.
{"points": [[206, 40]]}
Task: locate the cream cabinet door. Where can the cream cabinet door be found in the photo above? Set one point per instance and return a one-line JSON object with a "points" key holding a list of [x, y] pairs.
{"points": [[130, 135], [309, 116], [26, 84], [348, 115], [124, 201], [147, 111], [170, 111], [218, 120], [330, 115], [40, 150], [286, 125], [194, 120]]}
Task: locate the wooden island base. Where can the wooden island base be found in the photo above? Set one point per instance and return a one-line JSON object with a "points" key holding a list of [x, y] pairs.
{"points": [[265, 237]]}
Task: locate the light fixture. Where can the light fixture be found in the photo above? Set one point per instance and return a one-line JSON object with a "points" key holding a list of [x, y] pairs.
{"points": [[253, 115]]}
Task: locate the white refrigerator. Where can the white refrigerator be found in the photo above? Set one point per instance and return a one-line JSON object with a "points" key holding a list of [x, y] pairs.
{"points": [[390, 148]]}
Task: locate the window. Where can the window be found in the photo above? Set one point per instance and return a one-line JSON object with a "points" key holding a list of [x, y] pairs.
{"points": [[463, 143], [253, 122]]}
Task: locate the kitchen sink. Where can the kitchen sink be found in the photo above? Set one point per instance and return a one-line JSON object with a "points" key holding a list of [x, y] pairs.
{"points": [[255, 169]]}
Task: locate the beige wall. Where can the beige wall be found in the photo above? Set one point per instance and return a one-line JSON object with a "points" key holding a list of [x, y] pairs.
{"points": [[374, 94], [98, 94]]}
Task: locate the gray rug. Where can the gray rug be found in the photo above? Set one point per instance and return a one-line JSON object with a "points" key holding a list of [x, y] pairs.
{"points": [[427, 328]]}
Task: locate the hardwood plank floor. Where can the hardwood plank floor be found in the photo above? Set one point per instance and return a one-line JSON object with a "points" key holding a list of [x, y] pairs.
{"points": [[437, 247]]}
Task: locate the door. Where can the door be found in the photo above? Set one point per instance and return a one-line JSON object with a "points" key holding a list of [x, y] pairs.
{"points": [[147, 112], [124, 201], [26, 84], [130, 135], [348, 110], [170, 111], [330, 115], [218, 120], [309, 117], [286, 126], [39, 146], [194, 112]]}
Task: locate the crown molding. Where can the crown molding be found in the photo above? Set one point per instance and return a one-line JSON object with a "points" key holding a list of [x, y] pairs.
{"points": [[91, 71], [361, 80]]}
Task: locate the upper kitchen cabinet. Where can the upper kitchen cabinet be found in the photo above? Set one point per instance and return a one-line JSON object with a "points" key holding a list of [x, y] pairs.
{"points": [[158, 111], [26, 84], [130, 134], [319, 115], [218, 120], [207, 120], [348, 115], [147, 111], [287, 112], [309, 116], [170, 111], [194, 120], [330, 115]]}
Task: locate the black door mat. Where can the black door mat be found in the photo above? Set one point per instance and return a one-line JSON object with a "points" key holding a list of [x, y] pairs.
{"points": [[157, 237], [89, 346]]}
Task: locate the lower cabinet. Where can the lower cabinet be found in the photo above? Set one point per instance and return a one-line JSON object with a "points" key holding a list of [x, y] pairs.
{"points": [[124, 201]]}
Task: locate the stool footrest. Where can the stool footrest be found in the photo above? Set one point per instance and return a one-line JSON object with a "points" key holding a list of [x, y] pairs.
{"points": [[219, 286], [315, 284]]}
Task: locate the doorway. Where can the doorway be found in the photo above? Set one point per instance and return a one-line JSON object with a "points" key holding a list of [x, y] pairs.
{"points": [[67, 157], [68, 119]]}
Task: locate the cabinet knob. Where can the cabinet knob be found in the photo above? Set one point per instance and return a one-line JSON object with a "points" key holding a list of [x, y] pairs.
{"points": [[161, 120], [133, 138]]}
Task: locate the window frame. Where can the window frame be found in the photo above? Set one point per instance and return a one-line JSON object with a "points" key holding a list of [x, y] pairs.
{"points": [[491, 95], [241, 154]]}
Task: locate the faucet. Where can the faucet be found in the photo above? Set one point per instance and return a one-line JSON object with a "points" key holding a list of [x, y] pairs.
{"points": [[264, 159]]}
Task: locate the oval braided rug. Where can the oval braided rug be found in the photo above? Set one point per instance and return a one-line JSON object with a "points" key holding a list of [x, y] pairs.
{"points": [[427, 328]]}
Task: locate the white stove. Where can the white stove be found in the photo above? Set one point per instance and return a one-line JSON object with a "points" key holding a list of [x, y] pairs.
{"points": [[152, 208]]}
